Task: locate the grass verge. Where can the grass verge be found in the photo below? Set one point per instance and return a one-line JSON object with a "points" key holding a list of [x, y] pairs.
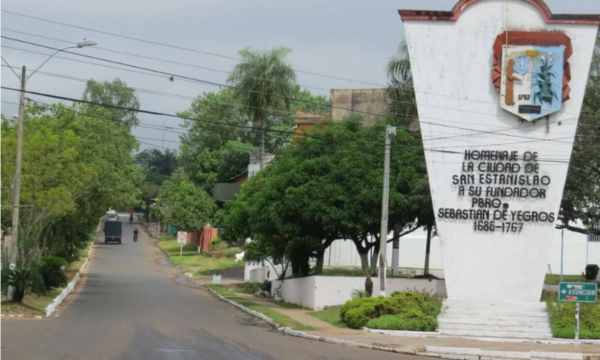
{"points": [[554, 279], [330, 315], [562, 318], [273, 314], [190, 257], [34, 305]]}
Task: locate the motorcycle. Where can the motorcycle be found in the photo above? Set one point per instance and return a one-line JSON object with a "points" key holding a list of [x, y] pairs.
{"points": [[135, 236], [131, 219]]}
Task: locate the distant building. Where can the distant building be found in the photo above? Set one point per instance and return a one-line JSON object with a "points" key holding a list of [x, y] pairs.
{"points": [[369, 103], [306, 120], [226, 191]]}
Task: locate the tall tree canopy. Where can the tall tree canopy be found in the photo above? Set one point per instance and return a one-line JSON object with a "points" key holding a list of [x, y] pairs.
{"points": [[264, 83], [580, 206], [74, 168], [325, 186], [115, 93]]}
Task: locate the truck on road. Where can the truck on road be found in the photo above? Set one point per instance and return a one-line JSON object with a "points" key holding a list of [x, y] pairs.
{"points": [[113, 231]]}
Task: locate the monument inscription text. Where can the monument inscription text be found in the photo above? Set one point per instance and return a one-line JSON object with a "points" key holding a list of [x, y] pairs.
{"points": [[493, 180]]}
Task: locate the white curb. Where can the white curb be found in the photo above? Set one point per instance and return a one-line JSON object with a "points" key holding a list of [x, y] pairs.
{"points": [[430, 351], [300, 334], [50, 309], [437, 335]]}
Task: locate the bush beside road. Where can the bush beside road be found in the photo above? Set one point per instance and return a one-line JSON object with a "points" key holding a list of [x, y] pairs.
{"points": [[35, 305], [198, 263]]}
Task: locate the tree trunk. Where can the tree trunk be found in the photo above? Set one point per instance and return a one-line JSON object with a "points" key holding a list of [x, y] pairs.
{"points": [[295, 267], [374, 257], [427, 250], [363, 254], [320, 261], [262, 145], [396, 251]]}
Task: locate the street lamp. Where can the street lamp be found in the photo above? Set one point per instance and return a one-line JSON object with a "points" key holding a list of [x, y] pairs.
{"points": [[17, 182], [78, 45]]}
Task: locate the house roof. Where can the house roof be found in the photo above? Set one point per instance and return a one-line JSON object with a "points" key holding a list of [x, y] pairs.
{"points": [[238, 176]]}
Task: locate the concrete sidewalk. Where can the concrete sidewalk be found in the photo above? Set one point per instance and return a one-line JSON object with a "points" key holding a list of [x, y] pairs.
{"points": [[430, 344]]}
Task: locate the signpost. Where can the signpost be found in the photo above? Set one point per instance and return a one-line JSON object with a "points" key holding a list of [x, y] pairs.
{"points": [[577, 293], [181, 239]]}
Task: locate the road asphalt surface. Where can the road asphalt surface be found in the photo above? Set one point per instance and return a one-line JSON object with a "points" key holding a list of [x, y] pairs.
{"points": [[129, 306]]}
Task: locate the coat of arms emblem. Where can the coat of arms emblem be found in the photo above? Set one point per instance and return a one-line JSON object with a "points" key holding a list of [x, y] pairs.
{"points": [[531, 72]]}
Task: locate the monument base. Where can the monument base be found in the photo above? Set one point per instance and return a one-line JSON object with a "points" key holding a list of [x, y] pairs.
{"points": [[521, 320]]}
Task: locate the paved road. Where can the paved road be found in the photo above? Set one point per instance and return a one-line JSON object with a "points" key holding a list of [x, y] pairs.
{"points": [[128, 307]]}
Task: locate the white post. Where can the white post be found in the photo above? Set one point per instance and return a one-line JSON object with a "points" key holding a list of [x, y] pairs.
{"points": [[180, 250], [396, 251], [562, 252], [577, 326], [389, 131]]}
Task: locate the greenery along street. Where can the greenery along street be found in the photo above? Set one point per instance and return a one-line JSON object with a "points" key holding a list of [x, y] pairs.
{"points": [[219, 257], [77, 162]]}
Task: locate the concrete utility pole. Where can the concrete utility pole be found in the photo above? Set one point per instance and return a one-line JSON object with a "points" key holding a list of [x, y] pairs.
{"points": [[389, 131], [12, 244], [17, 183]]}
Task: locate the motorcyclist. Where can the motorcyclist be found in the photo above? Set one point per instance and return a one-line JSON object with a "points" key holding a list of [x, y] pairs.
{"points": [[135, 234], [131, 217]]}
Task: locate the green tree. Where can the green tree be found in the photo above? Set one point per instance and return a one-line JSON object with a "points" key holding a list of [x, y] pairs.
{"points": [[75, 166], [192, 207], [115, 93], [305, 100], [580, 206], [324, 187], [400, 90], [263, 82]]}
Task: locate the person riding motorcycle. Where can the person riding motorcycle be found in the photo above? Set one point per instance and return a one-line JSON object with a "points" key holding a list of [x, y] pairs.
{"points": [[135, 234], [131, 217]]}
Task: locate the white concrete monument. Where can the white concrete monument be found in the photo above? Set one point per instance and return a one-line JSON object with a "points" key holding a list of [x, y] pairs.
{"points": [[499, 87]]}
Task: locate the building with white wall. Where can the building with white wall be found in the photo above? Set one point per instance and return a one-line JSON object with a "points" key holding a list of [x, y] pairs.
{"points": [[579, 250]]}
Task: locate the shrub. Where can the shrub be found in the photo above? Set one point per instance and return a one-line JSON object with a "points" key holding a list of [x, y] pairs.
{"points": [[404, 321], [356, 318], [410, 310], [231, 252], [216, 255], [50, 268], [250, 288], [24, 280], [358, 311], [56, 261], [360, 294], [218, 246]]}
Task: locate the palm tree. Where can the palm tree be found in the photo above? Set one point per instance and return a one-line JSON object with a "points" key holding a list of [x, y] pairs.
{"points": [[263, 81], [400, 86]]}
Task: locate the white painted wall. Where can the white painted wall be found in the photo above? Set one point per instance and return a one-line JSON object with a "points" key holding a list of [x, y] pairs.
{"points": [[451, 64], [412, 253], [317, 292]]}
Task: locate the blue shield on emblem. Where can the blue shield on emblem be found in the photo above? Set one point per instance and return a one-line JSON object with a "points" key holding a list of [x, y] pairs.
{"points": [[522, 65]]}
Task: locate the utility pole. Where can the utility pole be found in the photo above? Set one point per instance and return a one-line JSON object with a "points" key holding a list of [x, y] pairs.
{"points": [[17, 183], [389, 131]]}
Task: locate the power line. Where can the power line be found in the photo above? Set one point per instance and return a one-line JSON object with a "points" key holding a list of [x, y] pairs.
{"points": [[176, 47], [223, 71], [142, 125], [143, 111], [150, 57], [230, 86], [225, 124], [433, 149], [304, 101]]}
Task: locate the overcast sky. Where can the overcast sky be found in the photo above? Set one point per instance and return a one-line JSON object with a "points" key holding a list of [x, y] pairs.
{"points": [[349, 39]]}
